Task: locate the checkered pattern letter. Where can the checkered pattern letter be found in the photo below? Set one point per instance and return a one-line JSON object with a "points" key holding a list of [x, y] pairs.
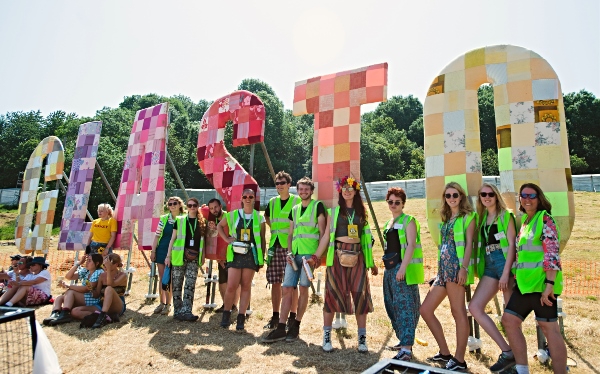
{"points": [[227, 176], [530, 130], [27, 240], [335, 99], [74, 231], [142, 190]]}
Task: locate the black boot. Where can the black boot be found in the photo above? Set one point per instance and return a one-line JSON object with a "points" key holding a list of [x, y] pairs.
{"points": [[63, 317], [54, 315], [226, 319], [101, 321], [241, 318]]}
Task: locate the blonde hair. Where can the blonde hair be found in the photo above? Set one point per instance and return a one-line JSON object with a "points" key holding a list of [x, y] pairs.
{"points": [[180, 201], [500, 204], [107, 207], [463, 208], [115, 259]]}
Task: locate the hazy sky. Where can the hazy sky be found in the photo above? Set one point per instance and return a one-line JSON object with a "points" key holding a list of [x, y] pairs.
{"points": [[79, 56]]}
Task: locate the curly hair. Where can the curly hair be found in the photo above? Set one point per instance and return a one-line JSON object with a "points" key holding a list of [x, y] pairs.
{"points": [[306, 181], [463, 208], [396, 191], [283, 175]]}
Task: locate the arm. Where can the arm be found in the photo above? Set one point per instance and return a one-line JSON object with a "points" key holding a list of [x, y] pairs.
{"points": [[97, 290], [168, 258], [268, 213], [552, 263], [464, 266], [263, 229], [154, 244], [411, 239], [290, 236], [113, 236], [511, 235], [36, 280], [223, 230], [72, 273], [323, 242]]}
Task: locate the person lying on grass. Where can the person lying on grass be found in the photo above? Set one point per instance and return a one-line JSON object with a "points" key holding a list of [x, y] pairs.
{"points": [[110, 289], [33, 289], [77, 295]]}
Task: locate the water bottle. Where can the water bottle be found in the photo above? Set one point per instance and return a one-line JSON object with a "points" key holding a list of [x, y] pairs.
{"points": [[270, 255], [294, 266]]}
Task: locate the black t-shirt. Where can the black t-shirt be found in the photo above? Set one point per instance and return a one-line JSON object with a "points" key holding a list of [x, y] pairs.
{"points": [[320, 210], [392, 240], [191, 223], [491, 235], [282, 204]]}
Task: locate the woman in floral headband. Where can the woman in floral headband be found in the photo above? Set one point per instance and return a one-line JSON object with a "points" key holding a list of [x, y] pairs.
{"points": [[349, 255]]}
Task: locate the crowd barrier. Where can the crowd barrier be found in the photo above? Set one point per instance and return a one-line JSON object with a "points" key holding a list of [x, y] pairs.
{"points": [[582, 278]]}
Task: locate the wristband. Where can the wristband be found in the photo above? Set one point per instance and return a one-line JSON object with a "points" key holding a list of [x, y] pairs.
{"points": [[314, 258], [548, 281], [465, 268]]}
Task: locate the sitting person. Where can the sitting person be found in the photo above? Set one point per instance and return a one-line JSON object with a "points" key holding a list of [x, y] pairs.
{"points": [[7, 276], [110, 289], [34, 289], [77, 295]]}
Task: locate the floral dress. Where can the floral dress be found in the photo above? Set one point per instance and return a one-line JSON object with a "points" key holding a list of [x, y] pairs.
{"points": [[448, 264]]}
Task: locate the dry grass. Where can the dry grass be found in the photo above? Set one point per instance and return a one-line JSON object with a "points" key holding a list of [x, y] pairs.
{"points": [[147, 343]]}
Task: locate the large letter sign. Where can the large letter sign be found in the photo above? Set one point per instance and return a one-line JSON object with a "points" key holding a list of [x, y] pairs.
{"points": [[227, 176], [530, 130], [27, 240], [142, 190], [335, 99], [74, 230]]}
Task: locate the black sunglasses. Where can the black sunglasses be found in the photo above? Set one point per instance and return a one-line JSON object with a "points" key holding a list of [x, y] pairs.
{"points": [[280, 183], [486, 194], [247, 197], [171, 204], [394, 202], [529, 196], [452, 195], [192, 205]]}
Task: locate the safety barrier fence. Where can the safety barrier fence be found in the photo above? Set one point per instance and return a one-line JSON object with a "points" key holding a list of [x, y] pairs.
{"points": [[581, 278]]}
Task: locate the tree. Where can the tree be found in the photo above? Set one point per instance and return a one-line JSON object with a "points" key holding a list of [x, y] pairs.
{"points": [[487, 118], [578, 165], [489, 162]]}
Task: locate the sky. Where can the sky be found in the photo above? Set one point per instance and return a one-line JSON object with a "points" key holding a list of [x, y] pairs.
{"points": [[81, 56]]}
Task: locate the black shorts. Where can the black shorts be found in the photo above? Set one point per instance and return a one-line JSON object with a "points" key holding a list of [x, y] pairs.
{"points": [[521, 305], [222, 274]]}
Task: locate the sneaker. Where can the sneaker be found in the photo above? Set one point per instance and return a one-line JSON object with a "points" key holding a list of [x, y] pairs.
{"points": [[275, 336], [241, 319], [327, 347], [504, 362], [159, 308], [273, 322], [293, 332], [63, 317], [226, 319], [289, 323], [403, 355], [166, 310], [178, 317], [454, 365], [439, 358], [101, 321], [396, 347], [220, 310], [54, 315], [189, 317], [362, 344]]}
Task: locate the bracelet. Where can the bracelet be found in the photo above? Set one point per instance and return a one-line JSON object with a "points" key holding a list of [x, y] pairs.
{"points": [[465, 268], [548, 281]]}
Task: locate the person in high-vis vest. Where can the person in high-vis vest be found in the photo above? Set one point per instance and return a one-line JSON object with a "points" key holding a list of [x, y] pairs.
{"points": [[403, 260], [456, 260], [185, 256], [308, 223], [496, 232], [539, 279], [244, 230], [160, 248], [349, 247], [276, 216]]}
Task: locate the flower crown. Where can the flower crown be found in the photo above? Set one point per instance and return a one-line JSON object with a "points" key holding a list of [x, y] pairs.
{"points": [[349, 181]]}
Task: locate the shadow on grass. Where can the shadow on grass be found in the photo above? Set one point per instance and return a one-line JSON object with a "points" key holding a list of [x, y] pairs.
{"points": [[576, 351]]}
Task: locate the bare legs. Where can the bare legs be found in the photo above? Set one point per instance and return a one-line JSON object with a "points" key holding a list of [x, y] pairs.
{"points": [[486, 289]]}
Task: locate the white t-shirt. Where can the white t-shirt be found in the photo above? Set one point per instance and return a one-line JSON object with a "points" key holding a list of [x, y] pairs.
{"points": [[27, 277], [45, 285]]}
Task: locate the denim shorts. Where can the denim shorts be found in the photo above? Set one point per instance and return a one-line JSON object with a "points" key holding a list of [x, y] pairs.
{"points": [[99, 306], [291, 277], [494, 265]]}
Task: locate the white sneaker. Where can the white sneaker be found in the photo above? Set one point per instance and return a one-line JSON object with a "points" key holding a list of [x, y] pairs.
{"points": [[362, 344], [327, 347]]}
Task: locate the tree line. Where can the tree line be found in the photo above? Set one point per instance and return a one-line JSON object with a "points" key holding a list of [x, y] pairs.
{"points": [[391, 138]]}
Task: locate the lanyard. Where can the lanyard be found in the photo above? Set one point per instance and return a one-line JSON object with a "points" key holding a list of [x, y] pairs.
{"points": [[398, 219], [351, 218], [244, 219], [449, 226], [190, 225], [487, 232]]}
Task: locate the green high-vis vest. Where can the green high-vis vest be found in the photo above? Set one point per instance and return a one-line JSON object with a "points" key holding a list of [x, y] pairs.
{"points": [[460, 236], [179, 243], [502, 222], [365, 240], [415, 273], [305, 239], [280, 219], [232, 219]]}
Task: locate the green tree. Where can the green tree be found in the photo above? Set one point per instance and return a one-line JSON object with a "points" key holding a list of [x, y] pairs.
{"points": [[487, 118], [578, 165], [489, 162]]}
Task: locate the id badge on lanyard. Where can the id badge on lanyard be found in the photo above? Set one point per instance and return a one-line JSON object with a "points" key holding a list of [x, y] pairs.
{"points": [[245, 233], [353, 231]]}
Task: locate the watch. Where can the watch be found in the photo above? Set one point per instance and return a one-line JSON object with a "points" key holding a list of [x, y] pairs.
{"points": [[548, 281]]}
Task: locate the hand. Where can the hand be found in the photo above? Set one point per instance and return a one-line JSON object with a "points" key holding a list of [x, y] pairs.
{"points": [[83, 259], [106, 262], [221, 263], [401, 274], [374, 270], [288, 259], [503, 283], [63, 284], [462, 276], [231, 239], [547, 295], [153, 256], [167, 261], [211, 225]]}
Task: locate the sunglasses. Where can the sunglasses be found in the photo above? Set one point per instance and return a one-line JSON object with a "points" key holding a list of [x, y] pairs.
{"points": [[486, 194], [247, 197], [529, 196], [280, 183], [452, 195], [347, 189], [20, 263], [175, 203], [394, 202], [192, 205]]}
